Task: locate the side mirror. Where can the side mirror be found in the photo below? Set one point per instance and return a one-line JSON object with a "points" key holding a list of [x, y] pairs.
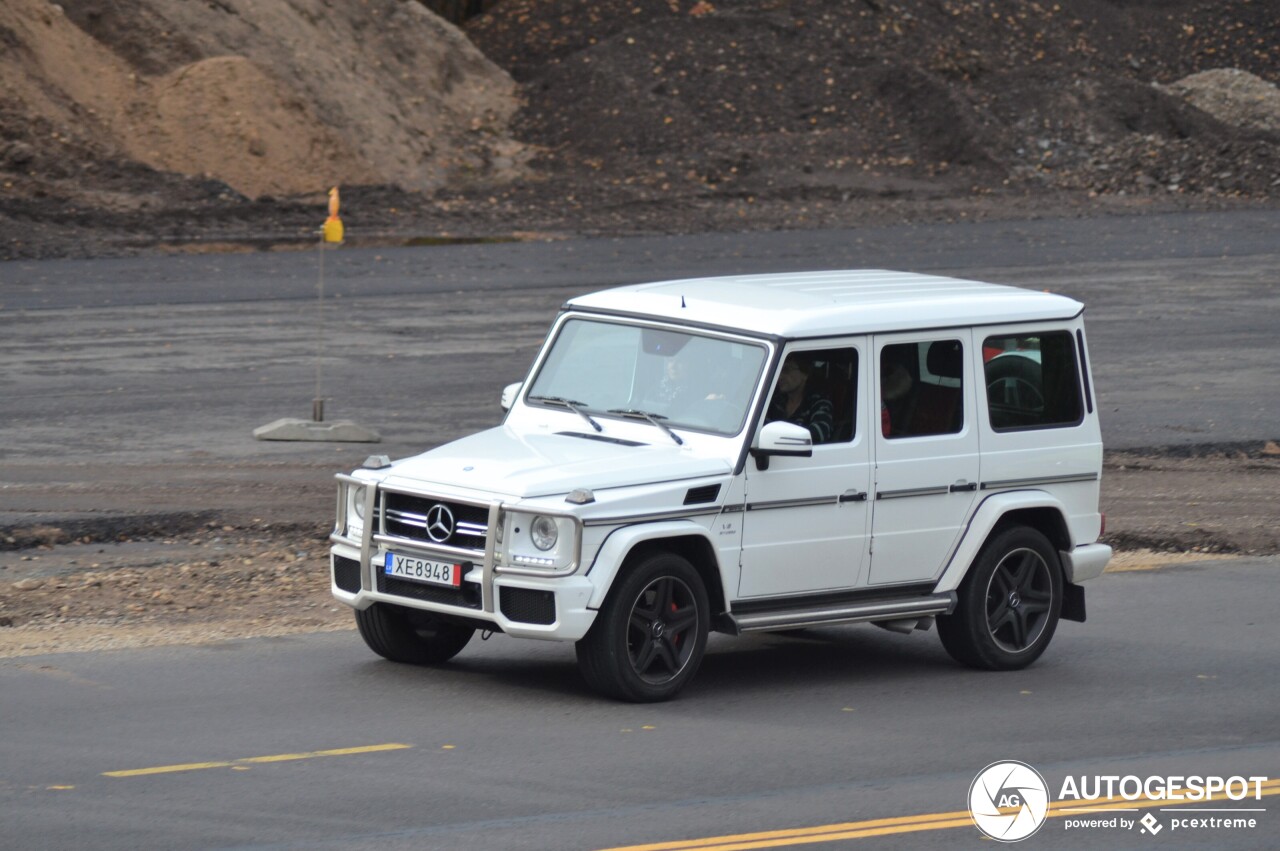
{"points": [[509, 394], [781, 438]]}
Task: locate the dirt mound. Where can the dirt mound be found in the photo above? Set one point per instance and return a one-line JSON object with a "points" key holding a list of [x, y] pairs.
{"points": [[267, 98], [226, 118], [1233, 97], [887, 96]]}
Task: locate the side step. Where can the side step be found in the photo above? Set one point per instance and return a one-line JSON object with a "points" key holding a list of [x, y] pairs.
{"points": [[872, 610]]}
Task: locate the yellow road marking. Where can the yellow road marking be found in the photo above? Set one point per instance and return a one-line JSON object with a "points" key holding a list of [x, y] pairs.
{"points": [[240, 764], [908, 824]]}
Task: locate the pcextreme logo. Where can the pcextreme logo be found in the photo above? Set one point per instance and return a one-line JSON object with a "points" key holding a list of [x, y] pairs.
{"points": [[1009, 801], [1005, 786]]}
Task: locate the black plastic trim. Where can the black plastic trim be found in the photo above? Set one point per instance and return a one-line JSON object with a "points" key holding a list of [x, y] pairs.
{"points": [[1039, 480], [1084, 370], [602, 438]]}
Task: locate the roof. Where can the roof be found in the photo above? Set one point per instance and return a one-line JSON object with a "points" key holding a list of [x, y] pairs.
{"points": [[821, 304]]}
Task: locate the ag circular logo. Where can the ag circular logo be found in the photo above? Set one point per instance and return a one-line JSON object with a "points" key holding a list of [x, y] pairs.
{"points": [[1009, 801]]}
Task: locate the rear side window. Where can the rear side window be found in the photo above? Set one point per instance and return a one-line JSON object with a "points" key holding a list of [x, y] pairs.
{"points": [[1033, 381], [922, 388]]}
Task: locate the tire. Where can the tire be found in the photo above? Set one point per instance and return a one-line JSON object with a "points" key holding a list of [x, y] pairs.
{"points": [[650, 636], [1008, 605], [410, 636]]}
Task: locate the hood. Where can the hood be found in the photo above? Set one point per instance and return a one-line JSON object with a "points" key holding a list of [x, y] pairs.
{"points": [[500, 461]]}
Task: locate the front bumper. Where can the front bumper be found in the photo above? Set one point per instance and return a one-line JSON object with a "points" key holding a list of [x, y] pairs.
{"points": [[526, 607], [514, 600]]}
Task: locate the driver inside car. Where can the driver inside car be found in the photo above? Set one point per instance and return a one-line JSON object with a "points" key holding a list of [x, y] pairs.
{"points": [[795, 402]]}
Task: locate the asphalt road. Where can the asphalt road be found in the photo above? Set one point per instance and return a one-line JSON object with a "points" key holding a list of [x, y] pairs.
{"points": [[587, 264], [311, 742], [180, 358]]}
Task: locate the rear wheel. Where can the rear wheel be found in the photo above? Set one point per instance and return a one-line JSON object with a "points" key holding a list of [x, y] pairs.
{"points": [[410, 636], [1008, 605], [649, 637]]}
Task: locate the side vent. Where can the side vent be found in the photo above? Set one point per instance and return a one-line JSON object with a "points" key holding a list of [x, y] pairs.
{"points": [[706, 493]]}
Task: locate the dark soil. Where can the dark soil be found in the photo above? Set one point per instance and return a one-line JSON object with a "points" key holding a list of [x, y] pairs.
{"points": [[837, 102], [681, 116]]}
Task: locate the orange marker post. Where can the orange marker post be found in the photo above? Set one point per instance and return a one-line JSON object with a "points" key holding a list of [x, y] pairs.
{"points": [[333, 225]]}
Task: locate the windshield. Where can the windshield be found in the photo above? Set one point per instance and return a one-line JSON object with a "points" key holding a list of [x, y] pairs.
{"points": [[685, 380]]}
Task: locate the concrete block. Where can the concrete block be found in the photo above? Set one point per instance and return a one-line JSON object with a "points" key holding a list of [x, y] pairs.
{"points": [[339, 431]]}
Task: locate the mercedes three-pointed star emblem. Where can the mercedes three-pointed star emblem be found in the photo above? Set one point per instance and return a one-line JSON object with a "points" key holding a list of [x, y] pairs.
{"points": [[439, 523]]}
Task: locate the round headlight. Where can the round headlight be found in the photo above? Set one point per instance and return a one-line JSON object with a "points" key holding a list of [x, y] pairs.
{"points": [[358, 497], [544, 532]]}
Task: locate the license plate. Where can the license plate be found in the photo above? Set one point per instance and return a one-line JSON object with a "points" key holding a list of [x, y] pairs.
{"points": [[423, 570]]}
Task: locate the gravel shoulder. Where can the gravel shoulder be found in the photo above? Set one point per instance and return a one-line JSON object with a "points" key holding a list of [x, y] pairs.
{"points": [[244, 566]]}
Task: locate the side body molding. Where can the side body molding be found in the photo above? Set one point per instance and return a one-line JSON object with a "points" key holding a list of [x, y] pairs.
{"points": [[980, 525], [611, 555]]}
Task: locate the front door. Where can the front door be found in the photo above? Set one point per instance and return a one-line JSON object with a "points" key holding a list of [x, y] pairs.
{"points": [[926, 474], [806, 520]]}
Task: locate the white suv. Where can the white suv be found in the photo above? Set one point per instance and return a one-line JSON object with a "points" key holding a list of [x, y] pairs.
{"points": [[745, 454]]}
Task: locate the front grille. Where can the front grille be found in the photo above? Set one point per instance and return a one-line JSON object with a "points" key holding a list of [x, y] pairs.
{"points": [[420, 518], [466, 596], [526, 606], [346, 574]]}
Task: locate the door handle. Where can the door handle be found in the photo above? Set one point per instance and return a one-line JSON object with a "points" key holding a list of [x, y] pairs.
{"points": [[852, 496], [960, 487]]}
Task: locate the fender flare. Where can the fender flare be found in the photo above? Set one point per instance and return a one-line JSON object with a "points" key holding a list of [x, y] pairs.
{"points": [[621, 541], [989, 513]]}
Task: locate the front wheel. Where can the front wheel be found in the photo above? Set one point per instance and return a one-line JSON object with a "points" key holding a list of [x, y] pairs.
{"points": [[649, 637], [410, 636], [1009, 603]]}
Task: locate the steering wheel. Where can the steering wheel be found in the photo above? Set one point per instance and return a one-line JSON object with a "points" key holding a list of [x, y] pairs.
{"points": [[1015, 392]]}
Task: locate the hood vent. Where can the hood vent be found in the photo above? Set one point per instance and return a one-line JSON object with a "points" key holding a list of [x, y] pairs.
{"points": [[706, 493]]}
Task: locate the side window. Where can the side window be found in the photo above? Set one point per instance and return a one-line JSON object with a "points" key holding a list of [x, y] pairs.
{"points": [[922, 388], [817, 389], [1032, 381]]}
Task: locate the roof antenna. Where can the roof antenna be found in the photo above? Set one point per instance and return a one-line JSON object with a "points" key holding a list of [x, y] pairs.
{"points": [[682, 304]]}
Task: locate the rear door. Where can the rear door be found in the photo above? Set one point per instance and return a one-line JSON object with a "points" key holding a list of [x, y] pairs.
{"points": [[926, 453]]}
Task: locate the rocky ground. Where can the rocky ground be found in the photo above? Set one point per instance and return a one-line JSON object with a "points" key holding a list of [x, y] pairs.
{"points": [[229, 574], [620, 117], [216, 582]]}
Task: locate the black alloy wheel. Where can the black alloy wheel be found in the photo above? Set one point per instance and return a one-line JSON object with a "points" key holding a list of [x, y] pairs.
{"points": [[1019, 599], [661, 629], [1009, 603], [650, 635]]}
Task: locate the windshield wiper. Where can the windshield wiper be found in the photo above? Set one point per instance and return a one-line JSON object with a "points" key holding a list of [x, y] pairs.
{"points": [[576, 407], [656, 419]]}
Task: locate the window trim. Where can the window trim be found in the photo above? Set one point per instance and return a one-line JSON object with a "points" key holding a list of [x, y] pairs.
{"points": [[1084, 370]]}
